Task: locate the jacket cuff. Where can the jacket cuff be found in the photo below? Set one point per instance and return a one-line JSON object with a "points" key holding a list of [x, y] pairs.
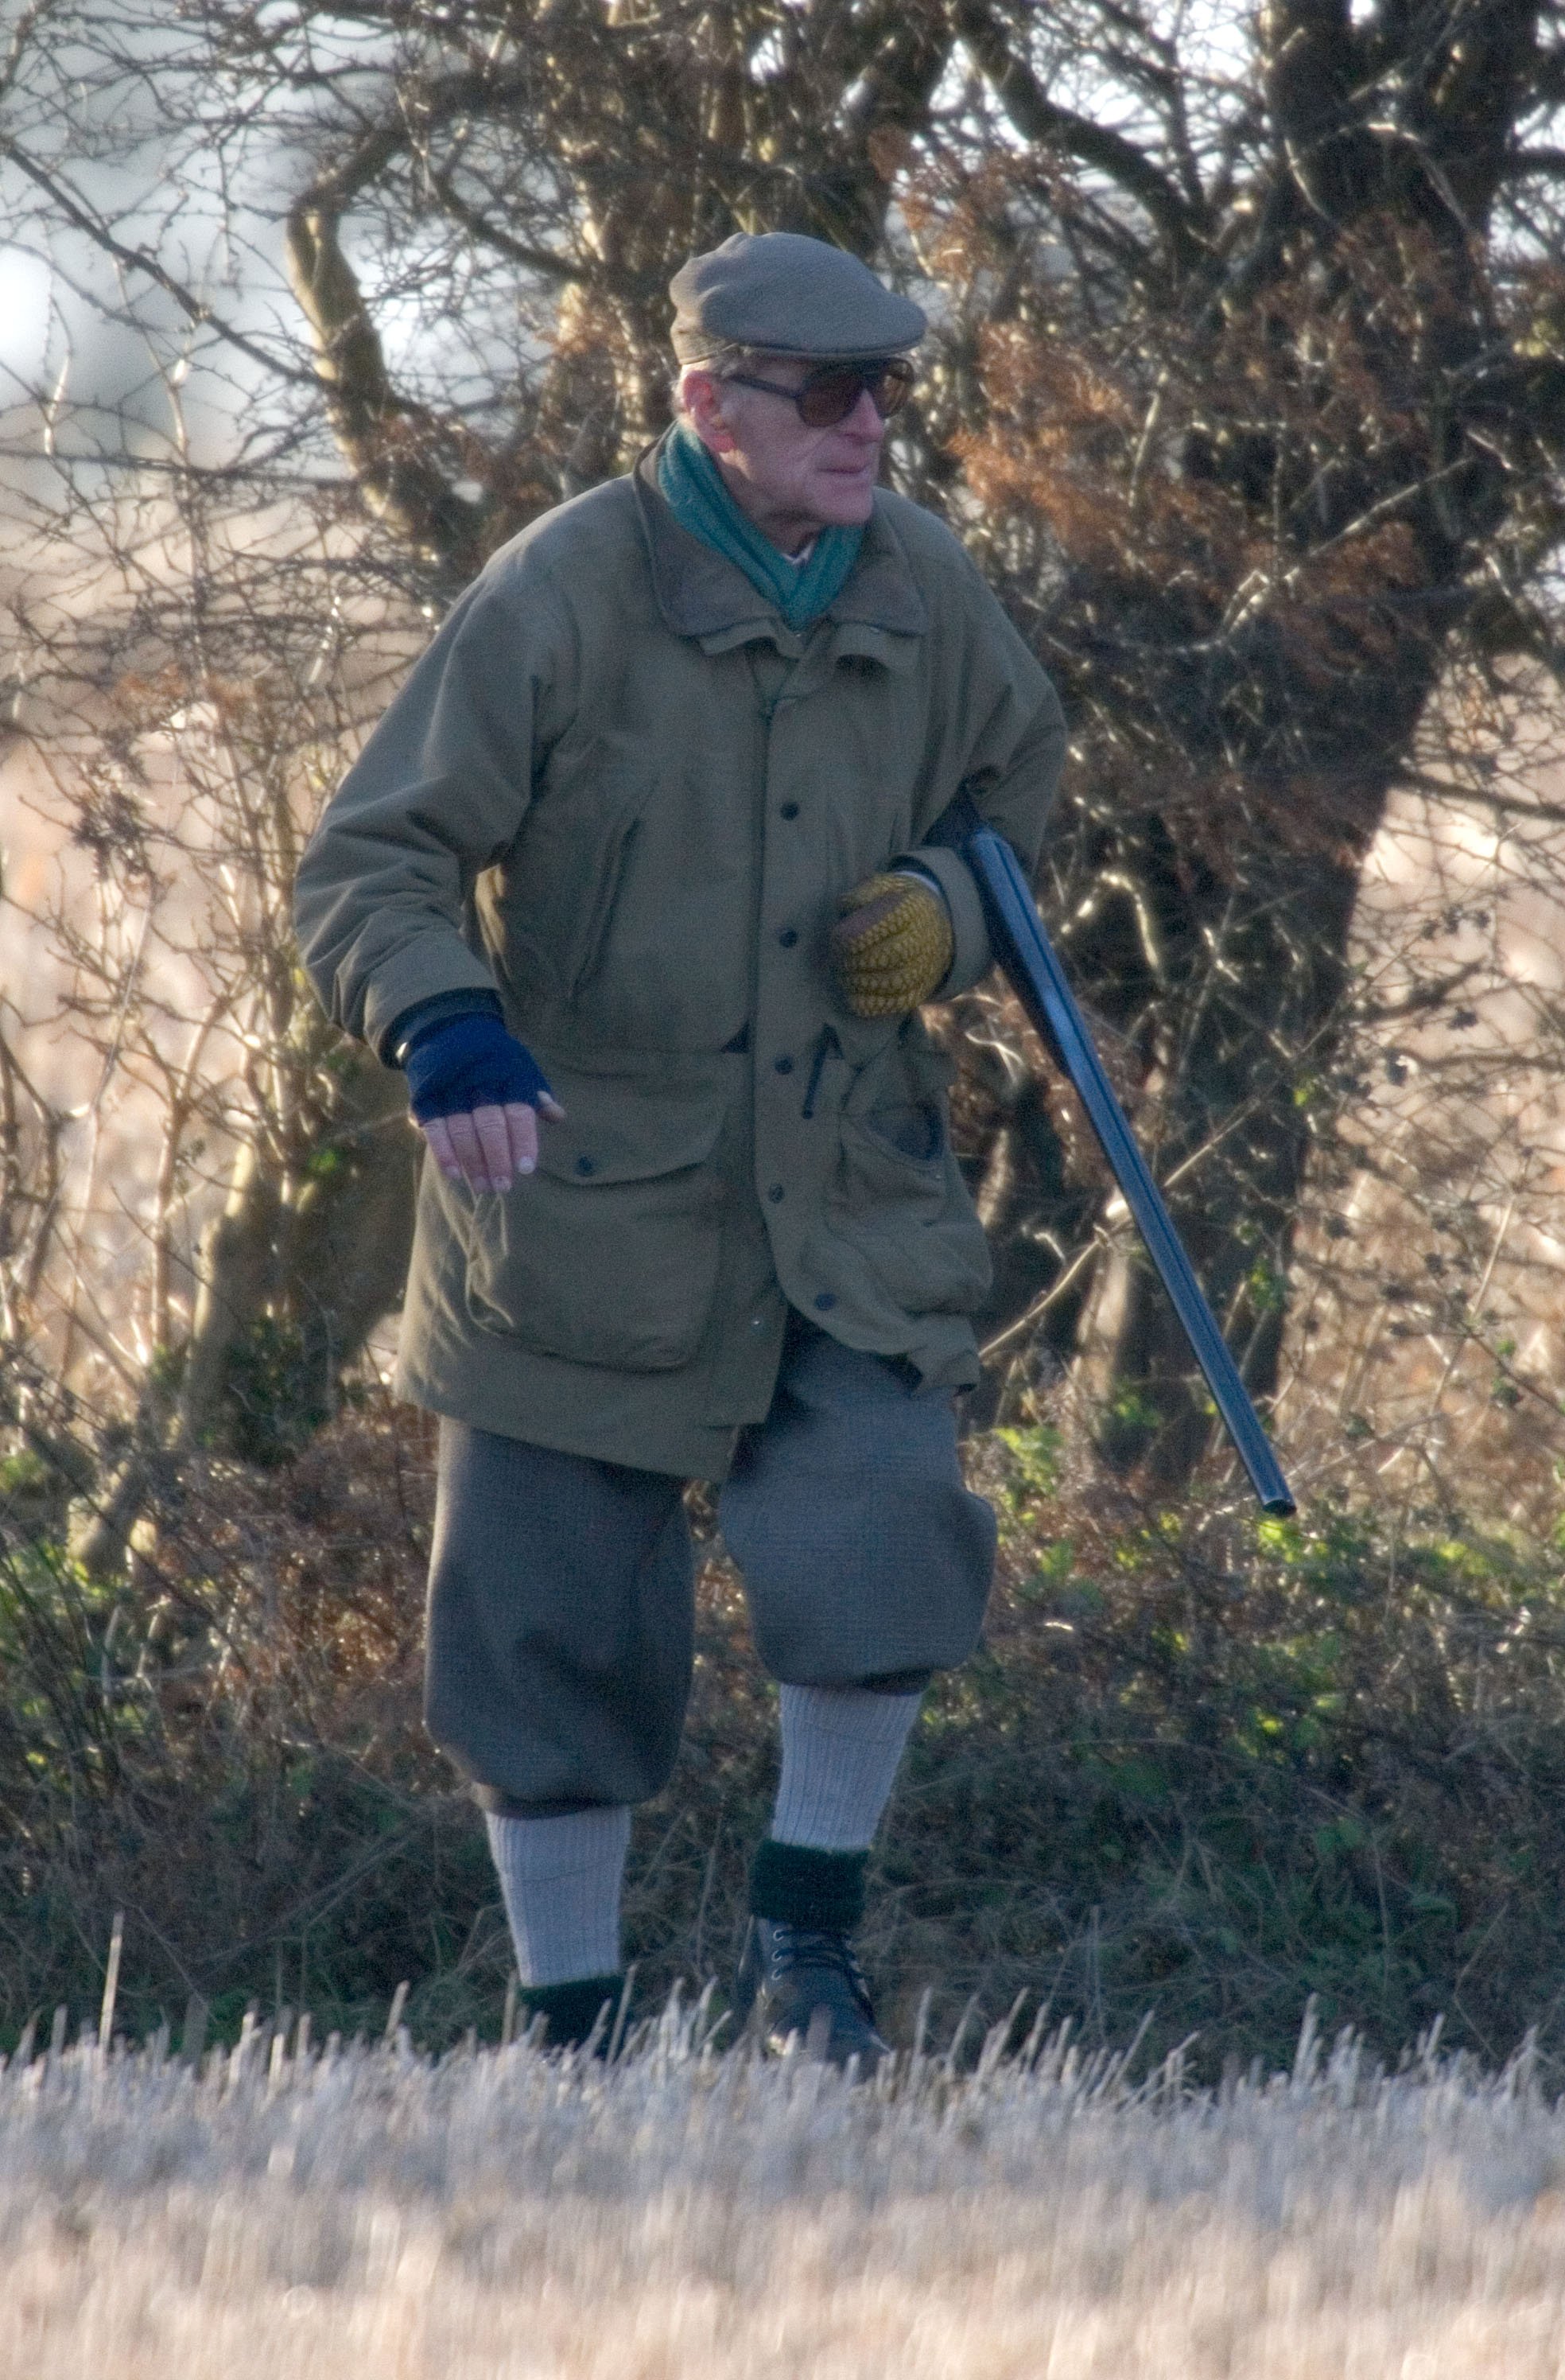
{"points": [[417, 973], [399, 1036], [973, 957]]}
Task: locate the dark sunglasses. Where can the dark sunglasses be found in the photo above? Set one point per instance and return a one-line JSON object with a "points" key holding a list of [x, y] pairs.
{"points": [[830, 392]]}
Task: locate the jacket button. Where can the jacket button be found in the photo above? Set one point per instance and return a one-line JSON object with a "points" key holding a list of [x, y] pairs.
{"points": [[775, 1193], [788, 937], [790, 809], [783, 1065], [824, 1303], [584, 1165]]}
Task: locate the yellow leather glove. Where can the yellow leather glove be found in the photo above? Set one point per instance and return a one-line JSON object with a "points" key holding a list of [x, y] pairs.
{"points": [[892, 944]]}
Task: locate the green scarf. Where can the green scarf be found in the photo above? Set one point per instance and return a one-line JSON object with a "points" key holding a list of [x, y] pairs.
{"points": [[693, 487]]}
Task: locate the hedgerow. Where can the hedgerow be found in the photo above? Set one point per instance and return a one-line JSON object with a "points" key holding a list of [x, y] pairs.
{"points": [[1206, 1768]]}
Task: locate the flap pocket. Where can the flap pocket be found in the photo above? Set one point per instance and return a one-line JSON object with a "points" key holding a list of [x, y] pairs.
{"points": [[619, 1131], [609, 1253]]}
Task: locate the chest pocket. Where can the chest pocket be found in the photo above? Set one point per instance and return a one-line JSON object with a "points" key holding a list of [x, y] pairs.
{"points": [[609, 1253], [551, 904]]}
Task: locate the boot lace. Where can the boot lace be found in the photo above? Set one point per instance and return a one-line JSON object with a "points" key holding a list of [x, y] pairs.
{"points": [[806, 1946]]}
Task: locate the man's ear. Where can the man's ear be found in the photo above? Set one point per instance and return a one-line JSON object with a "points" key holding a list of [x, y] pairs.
{"points": [[701, 393]]}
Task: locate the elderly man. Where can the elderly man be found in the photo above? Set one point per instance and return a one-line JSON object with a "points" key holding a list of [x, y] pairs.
{"points": [[632, 879]]}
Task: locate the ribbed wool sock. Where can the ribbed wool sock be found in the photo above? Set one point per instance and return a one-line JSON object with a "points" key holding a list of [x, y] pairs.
{"points": [[841, 1746], [561, 1879]]}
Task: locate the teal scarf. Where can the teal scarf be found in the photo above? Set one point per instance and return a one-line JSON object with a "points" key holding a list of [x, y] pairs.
{"points": [[693, 487]]}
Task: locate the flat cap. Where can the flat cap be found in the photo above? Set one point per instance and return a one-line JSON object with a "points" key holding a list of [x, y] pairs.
{"points": [[790, 294]]}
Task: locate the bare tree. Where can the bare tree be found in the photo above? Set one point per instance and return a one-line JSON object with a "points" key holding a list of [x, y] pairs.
{"points": [[197, 704], [1246, 388], [1270, 424]]}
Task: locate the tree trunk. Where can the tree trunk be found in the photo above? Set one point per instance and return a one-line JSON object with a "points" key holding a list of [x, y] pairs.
{"points": [[297, 1270]]}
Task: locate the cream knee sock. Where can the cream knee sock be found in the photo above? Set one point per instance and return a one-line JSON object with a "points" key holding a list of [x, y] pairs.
{"points": [[841, 1747], [561, 1879]]}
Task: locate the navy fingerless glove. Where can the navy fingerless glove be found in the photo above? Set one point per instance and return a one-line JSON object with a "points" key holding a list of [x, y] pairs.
{"points": [[469, 1062]]}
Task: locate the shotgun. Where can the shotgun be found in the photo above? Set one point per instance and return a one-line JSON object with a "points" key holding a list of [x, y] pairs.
{"points": [[1028, 959]]}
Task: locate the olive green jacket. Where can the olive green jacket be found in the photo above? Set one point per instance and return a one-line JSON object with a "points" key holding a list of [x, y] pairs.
{"points": [[619, 792]]}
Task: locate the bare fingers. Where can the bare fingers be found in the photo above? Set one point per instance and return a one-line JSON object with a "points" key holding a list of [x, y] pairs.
{"points": [[520, 1123], [487, 1146]]}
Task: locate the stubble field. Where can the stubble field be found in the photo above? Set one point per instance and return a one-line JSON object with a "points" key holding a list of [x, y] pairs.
{"points": [[310, 2216]]}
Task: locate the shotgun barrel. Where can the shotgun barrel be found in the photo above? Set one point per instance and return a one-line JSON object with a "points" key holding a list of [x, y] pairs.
{"points": [[1027, 958]]}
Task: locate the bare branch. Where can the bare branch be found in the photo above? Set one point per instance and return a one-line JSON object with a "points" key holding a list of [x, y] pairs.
{"points": [[1037, 119], [75, 211]]}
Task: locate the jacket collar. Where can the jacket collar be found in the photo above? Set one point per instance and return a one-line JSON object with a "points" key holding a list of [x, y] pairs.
{"points": [[701, 594]]}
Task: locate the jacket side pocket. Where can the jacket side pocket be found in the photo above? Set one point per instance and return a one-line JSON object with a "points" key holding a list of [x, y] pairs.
{"points": [[897, 1197], [609, 1253]]}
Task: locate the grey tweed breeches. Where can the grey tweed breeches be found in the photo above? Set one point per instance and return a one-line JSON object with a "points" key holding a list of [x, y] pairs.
{"points": [[561, 1612]]}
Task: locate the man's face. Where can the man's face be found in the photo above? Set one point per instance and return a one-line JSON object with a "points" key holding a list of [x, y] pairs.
{"points": [[790, 479]]}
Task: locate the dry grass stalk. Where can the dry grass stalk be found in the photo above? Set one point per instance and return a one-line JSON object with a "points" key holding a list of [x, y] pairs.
{"points": [[691, 2214]]}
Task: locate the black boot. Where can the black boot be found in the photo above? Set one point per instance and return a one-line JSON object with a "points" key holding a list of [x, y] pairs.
{"points": [[571, 2011], [797, 1972]]}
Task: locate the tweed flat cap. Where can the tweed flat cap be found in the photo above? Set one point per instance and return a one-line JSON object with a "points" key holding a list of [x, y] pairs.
{"points": [[788, 294]]}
